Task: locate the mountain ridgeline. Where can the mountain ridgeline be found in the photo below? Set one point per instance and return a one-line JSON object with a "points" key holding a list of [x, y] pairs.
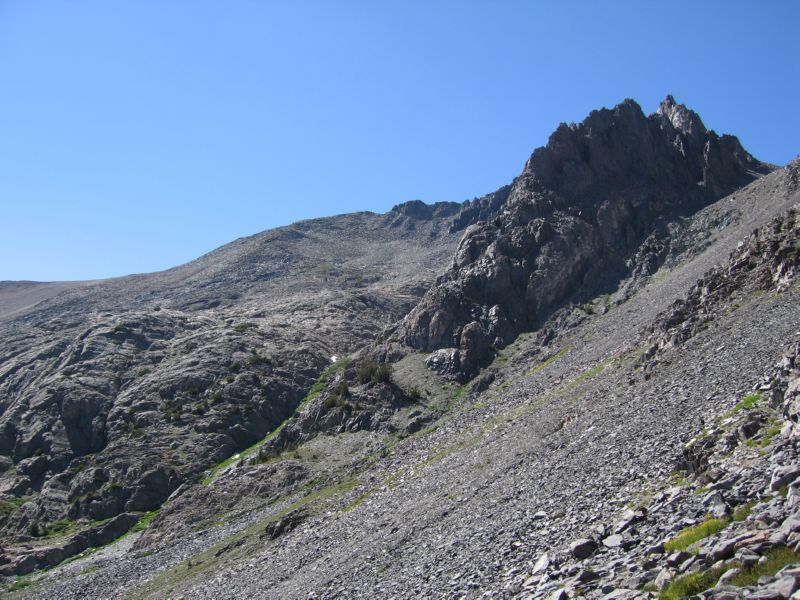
{"points": [[352, 398], [589, 210]]}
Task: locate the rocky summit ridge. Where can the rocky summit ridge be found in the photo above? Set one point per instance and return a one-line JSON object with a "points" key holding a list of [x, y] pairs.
{"points": [[543, 392], [570, 229]]}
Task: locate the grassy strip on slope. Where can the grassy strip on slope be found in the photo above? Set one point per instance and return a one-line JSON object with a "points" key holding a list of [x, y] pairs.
{"points": [[312, 395], [695, 583], [690, 535], [236, 545]]}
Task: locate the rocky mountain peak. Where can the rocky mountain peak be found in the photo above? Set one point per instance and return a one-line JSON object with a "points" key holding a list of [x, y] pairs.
{"points": [[621, 147], [684, 120], [588, 211]]}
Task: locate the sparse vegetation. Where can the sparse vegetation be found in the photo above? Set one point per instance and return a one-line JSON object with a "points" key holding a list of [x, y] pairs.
{"points": [[743, 511], [412, 393], [777, 558], [9, 507], [171, 409], [771, 432], [747, 403], [370, 371], [242, 327], [319, 384], [255, 359], [549, 361], [690, 535], [145, 521], [692, 584], [338, 396], [695, 583], [19, 584], [313, 393]]}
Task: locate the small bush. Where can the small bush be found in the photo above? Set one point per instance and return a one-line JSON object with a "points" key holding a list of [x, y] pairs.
{"points": [[369, 370], [366, 370], [690, 535], [341, 390], [383, 374], [412, 393]]}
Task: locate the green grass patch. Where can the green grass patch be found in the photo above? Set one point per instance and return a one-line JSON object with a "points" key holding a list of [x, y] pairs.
{"points": [[429, 430], [773, 430], [319, 384], [313, 393], [144, 522], [777, 558], [359, 500], [59, 527], [549, 361], [455, 396], [690, 535], [19, 584], [740, 513], [9, 507], [692, 584], [746, 403]]}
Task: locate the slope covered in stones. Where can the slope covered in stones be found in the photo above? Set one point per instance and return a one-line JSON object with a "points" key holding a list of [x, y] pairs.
{"points": [[400, 481], [566, 438]]}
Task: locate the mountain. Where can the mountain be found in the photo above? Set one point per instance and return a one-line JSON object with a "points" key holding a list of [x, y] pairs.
{"points": [[492, 397]]}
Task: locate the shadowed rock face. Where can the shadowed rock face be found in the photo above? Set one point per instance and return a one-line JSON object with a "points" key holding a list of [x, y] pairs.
{"points": [[589, 209]]}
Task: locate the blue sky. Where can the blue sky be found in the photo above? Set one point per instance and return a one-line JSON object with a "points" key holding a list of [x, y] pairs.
{"points": [[138, 135]]}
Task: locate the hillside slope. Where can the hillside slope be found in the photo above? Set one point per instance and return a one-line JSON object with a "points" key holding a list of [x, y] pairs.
{"points": [[513, 419], [113, 393]]}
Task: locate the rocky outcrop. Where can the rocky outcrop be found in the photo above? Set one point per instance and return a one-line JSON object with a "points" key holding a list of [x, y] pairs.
{"points": [[589, 209], [768, 259], [727, 526]]}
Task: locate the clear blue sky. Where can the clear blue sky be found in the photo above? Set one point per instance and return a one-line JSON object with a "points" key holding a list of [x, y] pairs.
{"points": [[137, 135]]}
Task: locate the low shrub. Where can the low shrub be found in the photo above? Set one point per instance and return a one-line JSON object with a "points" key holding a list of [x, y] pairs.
{"points": [[369, 370]]}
